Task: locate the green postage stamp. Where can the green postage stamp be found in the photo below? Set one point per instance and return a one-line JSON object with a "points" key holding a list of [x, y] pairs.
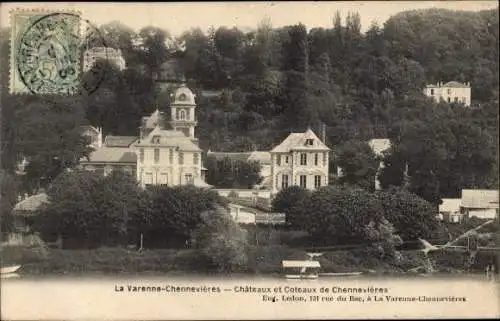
{"points": [[45, 52]]}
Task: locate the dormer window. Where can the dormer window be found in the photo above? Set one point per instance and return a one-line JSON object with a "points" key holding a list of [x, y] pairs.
{"points": [[182, 115], [156, 139], [309, 142], [182, 97]]}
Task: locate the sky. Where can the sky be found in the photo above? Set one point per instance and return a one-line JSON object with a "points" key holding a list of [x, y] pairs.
{"points": [[179, 17]]}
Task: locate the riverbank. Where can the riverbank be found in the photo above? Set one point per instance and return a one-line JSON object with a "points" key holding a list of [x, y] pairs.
{"points": [[265, 260]]}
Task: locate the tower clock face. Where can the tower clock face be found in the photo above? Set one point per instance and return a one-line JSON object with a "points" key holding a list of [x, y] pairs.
{"points": [[182, 97]]}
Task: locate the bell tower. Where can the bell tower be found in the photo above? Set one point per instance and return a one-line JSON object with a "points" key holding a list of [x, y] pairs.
{"points": [[183, 108]]}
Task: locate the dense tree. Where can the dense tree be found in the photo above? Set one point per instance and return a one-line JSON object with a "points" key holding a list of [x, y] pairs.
{"points": [[293, 202], [9, 187], [48, 134], [87, 209], [339, 214], [220, 241], [167, 215], [358, 163], [411, 216], [382, 238], [229, 173]]}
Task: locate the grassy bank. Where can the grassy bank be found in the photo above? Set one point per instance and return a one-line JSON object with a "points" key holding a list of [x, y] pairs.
{"points": [[263, 260]]}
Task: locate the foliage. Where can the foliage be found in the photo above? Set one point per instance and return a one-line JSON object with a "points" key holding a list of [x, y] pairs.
{"points": [[229, 173], [383, 238], [221, 241], [292, 201], [169, 214], [339, 214], [89, 209], [411, 216], [9, 186], [358, 163]]}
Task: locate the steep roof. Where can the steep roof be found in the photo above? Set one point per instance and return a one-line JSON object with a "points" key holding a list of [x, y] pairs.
{"points": [[112, 155], [450, 205], [119, 141], [184, 96], [379, 145], [479, 198], [455, 84], [32, 203], [168, 138], [297, 141]]}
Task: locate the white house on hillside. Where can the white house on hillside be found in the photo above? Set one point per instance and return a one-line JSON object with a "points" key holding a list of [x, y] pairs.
{"points": [[301, 159], [474, 202], [112, 55], [480, 203], [452, 91], [158, 156]]}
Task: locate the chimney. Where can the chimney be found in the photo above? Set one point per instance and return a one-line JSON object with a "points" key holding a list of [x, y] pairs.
{"points": [[323, 133]]}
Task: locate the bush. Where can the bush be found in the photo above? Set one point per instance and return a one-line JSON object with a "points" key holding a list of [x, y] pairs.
{"points": [[220, 241], [293, 201]]}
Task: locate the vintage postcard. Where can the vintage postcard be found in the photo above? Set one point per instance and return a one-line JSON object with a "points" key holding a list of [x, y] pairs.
{"points": [[256, 160]]}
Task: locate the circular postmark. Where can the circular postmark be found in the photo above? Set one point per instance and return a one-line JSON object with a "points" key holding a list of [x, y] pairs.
{"points": [[50, 55]]}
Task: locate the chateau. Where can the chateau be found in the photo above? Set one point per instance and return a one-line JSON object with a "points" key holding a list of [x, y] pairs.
{"points": [[301, 159], [158, 156], [452, 91]]}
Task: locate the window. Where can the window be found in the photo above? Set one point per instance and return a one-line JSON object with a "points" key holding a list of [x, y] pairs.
{"points": [[317, 181], [171, 156], [309, 142], [163, 179], [189, 178], [278, 160], [303, 181], [148, 178], [195, 158], [324, 159], [432, 91], [181, 158], [157, 155], [303, 159], [316, 159], [456, 99], [141, 155], [449, 91], [156, 139], [286, 160], [449, 99], [284, 181], [182, 115]]}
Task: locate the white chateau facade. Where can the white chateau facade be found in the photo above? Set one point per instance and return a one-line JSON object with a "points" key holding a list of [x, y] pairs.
{"points": [[301, 159], [158, 156], [105, 53], [452, 91]]}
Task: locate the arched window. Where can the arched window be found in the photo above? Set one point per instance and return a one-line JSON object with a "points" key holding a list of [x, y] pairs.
{"points": [[182, 115]]}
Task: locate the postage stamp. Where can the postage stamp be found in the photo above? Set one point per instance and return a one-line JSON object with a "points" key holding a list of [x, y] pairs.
{"points": [[45, 52]]}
